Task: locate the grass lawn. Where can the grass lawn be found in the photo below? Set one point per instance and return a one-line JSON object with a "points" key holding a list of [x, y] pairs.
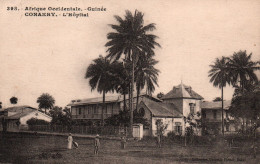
{"points": [[25, 148]]}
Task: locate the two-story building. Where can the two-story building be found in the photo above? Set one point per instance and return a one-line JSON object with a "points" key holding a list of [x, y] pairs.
{"points": [[212, 118], [173, 110], [89, 111]]}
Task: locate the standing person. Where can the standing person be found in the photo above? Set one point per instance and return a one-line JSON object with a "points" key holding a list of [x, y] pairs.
{"points": [[158, 140], [123, 142], [96, 144], [70, 140]]}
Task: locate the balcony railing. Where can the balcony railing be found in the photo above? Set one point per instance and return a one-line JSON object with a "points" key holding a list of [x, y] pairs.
{"points": [[91, 116]]}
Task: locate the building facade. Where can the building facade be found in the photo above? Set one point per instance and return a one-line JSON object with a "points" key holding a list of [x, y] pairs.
{"points": [[212, 118], [89, 111], [15, 118]]}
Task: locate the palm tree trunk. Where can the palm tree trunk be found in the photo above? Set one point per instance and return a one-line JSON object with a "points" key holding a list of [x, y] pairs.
{"points": [[129, 96], [103, 107], [137, 96], [222, 105], [124, 102], [132, 102]]}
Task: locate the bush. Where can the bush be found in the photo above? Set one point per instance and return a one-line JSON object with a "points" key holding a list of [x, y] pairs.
{"points": [[34, 121]]}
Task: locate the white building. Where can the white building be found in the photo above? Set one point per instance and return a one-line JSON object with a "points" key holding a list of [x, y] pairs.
{"points": [[15, 118], [176, 106]]}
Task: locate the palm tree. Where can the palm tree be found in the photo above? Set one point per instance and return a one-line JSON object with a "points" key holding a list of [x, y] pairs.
{"points": [[13, 100], [123, 80], [146, 75], [101, 77], [219, 76], [131, 38], [242, 69], [46, 101]]}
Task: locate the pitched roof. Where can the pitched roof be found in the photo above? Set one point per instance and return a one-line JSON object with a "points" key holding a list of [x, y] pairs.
{"points": [[95, 100], [215, 105], [182, 91], [162, 109], [108, 99], [20, 108], [19, 115]]}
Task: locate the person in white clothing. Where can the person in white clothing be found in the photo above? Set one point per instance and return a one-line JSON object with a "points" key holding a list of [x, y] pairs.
{"points": [[70, 140]]}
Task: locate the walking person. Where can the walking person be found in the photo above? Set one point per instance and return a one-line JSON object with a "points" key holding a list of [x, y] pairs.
{"points": [[96, 144], [70, 140]]}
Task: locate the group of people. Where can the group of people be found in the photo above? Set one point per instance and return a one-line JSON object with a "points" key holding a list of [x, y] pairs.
{"points": [[72, 143]]}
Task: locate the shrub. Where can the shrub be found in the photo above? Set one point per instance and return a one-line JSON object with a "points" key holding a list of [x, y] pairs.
{"points": [[34, 121]]}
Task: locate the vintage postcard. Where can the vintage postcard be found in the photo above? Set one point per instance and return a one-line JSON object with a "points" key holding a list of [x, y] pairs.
{"points": [[95, 81]]}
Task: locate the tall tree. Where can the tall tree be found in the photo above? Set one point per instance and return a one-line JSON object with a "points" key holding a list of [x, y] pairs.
{"points": [[246, 104], [146, 75], [219, 76], [13, 100], [101, 77], [131, 38], [242, 69], [121, 73], [46, 101]]}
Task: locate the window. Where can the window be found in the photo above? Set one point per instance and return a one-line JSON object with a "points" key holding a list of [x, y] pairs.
{"points": [[95, 109], [227, 127], [178, 128], [215, 114], [204, 115], [79, 111], [192, 108], [89, 110]]}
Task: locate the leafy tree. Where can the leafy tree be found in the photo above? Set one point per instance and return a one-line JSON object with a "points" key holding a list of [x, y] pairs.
{"points": [[220, 75], [131, 38], [123, 119], [13, 100], [217, 99], [160, 127], [101, 77], [61, 116], [246, 104], [34, 121], [46, 101], [160, 95]]}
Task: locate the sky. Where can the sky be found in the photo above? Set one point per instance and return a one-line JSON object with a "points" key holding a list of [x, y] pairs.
{"points": [[51, 54]]}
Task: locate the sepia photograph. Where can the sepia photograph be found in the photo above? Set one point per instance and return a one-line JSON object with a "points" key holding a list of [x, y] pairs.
{"points": [[151, 81]]}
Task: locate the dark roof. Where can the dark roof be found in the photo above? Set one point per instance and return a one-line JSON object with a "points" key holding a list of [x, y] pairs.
{"points": [[95, 100], [161, 109], [215, 105], [20, 108], [108, 99], [182, 91]]}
